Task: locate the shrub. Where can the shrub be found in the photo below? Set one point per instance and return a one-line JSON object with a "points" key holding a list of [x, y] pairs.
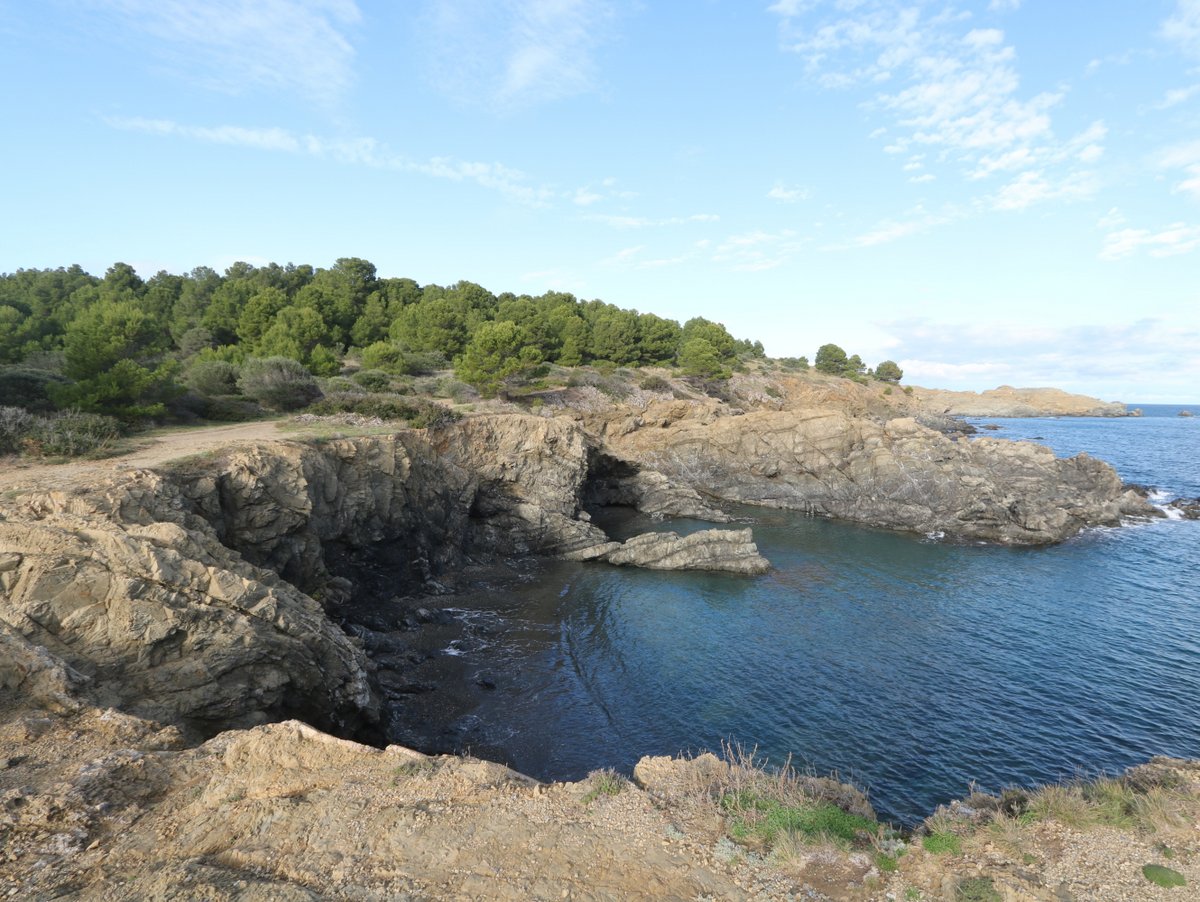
{"points": [[422, 363], [341, 384], [15, 423], [655, 383], [419, 412], [386, 357], [213, 377], [278, 382], [25, 386], [373, 380], [71, 433], [937, 843], [232, 410]]}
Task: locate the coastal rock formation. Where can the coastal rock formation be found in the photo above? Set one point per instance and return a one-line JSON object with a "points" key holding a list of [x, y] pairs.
{"points": [[728, 550], [1007, 401], [200, 596], [139, 605], [895, 474]]}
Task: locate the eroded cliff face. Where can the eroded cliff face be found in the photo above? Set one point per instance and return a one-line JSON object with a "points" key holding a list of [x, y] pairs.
{"points": [[125, 596], [894, 474], [203, 595]]}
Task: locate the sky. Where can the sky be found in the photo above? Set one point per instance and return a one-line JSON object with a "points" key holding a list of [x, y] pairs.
{"points": [[988, 192]]}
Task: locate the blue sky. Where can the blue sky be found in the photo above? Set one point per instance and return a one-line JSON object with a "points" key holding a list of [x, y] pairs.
{"points": [[987, 192]]}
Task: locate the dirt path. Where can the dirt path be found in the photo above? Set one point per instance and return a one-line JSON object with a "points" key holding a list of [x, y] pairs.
{"points": [[21, 474]]}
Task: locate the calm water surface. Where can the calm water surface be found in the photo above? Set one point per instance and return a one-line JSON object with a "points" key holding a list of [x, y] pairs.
{"points": [[910, 666]]}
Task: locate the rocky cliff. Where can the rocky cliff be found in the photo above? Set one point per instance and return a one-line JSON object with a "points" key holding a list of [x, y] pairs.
{"points": [[892, 473]]}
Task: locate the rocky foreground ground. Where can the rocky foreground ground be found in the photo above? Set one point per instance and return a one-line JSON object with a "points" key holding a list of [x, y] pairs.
{"points": [[162, 628]]}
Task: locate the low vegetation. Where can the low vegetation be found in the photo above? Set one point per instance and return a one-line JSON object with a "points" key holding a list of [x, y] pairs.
{"points": [[234, 346]]}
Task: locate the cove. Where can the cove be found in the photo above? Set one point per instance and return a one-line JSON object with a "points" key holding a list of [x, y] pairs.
{"points": [[911, 667]]}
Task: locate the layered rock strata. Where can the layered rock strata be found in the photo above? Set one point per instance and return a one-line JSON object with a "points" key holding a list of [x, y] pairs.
{"points": [[895, 474]]}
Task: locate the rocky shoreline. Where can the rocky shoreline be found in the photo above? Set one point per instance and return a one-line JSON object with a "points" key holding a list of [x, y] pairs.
{"points": [[202, 601]]}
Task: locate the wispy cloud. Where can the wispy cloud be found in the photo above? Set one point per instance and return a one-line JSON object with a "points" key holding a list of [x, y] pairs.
{"points": [[1175, 96], [1176, 238], [757, 250], [1083, 357], [788, 194], [1185, 158], [232, 45], [513, 53], [1034, 187], [916, 221], [1182, 27], [961, 101], [643, 222], [353, 151]]}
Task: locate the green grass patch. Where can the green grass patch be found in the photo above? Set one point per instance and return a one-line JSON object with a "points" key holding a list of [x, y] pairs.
{"points": [[942, 843], [886, 863], [755, 817]]}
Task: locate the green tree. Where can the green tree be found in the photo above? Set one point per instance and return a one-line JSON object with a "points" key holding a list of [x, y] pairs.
{"points": [[615, 336], [660, 339], [714, 333], [831, 359], [258, 314], [280, 383], [889, 371], [496, 351], [855, 366], [698, 357], [113, 351], [432, 325]]}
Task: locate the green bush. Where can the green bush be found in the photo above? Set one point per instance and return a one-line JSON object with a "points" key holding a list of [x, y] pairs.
{"points": [[232, 410], [341, 384], [418, 412], [655, 383], [373, 380], [212, 378], [70, 433], [385, 356], [278, 382], [25, 386]]}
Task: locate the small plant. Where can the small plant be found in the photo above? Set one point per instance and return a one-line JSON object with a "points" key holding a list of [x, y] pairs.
{"points": [[373, 380], [655, 384], [604, 782], [977, 889], [414, 768], [912, 894], [886, 863], [1163, 876], [940, 843]]}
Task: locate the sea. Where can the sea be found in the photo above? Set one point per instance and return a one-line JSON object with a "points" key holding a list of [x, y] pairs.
{"points": [[915, 668]]}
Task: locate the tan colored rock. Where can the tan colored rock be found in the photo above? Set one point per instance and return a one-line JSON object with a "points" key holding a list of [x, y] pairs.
{"points": [[1007, 401], [897, 474], [728, 550]]}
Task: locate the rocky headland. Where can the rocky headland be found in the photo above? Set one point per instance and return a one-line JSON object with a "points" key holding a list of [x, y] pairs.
{"points": [[1007, 401], [158, 625]]}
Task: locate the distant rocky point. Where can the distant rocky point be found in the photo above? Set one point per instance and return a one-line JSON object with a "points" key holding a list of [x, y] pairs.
{"points": [[1007, 401]]}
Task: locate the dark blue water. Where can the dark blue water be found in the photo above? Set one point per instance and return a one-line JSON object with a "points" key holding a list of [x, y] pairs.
{"points": [[911, 667]]}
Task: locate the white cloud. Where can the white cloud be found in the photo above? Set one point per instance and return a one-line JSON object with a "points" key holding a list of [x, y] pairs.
{"points": [[1112, 361], [1004, 6], [788, 194], [959, 98], [922, 178], [1184, 157], [642, 222], [1177, 238], [513, 53], [1034, 187], [293, 45], [914, 222], [1110, 220], [758, 250], [1176, 96], [353, 151], [1183, 27]]}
